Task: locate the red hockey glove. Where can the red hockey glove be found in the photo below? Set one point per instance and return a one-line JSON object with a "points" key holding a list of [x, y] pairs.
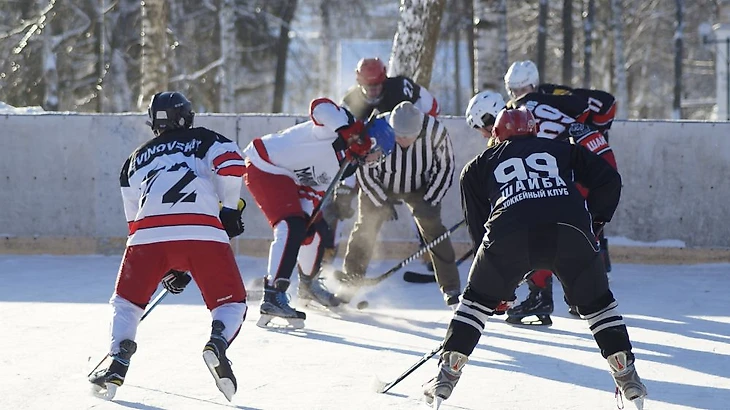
{"points": [[351, 132]]}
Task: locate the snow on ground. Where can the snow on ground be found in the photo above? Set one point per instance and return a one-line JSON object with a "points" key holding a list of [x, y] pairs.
{"points": [[55, 321]]}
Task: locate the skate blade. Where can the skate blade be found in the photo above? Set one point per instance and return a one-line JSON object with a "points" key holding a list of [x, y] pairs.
{"points": [[266, 321], [225, 385], [532, 320], [105, 393], [437, 403], [639, 403]]}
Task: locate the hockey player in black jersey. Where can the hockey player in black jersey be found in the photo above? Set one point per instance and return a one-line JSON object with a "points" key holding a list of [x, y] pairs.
{"points": [[376, 91], [524, 212], [561, 113]]}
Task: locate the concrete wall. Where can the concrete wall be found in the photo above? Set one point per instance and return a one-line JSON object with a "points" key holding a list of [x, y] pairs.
{"points": [[59, 179]]}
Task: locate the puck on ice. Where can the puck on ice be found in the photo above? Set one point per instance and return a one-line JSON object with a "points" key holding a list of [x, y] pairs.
{"points": [[362, 305]]}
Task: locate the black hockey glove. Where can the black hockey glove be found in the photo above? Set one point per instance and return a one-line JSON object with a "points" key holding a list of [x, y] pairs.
{"points": [[175, 281], [231, 220], [342, 203]]}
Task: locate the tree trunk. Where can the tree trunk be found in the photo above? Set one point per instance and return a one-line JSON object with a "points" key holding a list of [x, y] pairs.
{"points": [[678, 53], [490, 50], [226, 77], [542, 36], [622, 92], [153, 70], [327, 52], [588, 19], [100, 56], [282, 52], [50, 65], [415, 40], [568, 42]]}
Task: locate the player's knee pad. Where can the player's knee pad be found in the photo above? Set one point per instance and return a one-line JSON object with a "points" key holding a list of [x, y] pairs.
{"points": [[598, 304]]}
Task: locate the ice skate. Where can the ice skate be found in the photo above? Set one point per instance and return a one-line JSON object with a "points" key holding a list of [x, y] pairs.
{"points": [[440, 387], [214, 355], [104, 383], [627, 380], [313, 289], [536, 309], [276, 305]]}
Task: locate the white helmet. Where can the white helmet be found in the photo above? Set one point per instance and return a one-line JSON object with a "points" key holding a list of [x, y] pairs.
{"points": [[520, 75], [486, 102]]}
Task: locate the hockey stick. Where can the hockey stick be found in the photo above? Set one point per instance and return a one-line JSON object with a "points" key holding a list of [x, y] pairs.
{"points": [[328, 193], [384, 387], [417, 277], [377, 279], [152, 305]]}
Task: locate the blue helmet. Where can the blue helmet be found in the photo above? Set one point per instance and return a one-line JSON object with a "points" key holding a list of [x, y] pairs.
{"points": [[382, 135]]}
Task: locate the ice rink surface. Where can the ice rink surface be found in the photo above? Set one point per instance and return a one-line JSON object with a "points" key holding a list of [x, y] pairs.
{"points": [[55, 320]]}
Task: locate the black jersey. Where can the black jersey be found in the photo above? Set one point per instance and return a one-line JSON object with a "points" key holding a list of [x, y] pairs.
{"points": [[554, 113], [395, 91], [602, 104], [527, 181]]}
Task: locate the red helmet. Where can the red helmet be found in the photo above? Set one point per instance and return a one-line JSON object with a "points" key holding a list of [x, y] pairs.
{"points": [[514, 122], [370, 71]]}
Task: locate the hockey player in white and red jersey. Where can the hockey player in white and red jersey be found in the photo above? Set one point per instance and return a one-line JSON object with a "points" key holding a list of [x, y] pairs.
{"points": [[172, 186], [287, 173]]}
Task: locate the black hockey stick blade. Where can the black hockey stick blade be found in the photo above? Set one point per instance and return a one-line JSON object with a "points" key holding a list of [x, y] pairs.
{"points": [[416, 277]]}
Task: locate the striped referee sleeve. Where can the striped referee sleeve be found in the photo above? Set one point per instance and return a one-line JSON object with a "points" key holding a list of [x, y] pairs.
{"points": [[367, 178], [442, 167]]}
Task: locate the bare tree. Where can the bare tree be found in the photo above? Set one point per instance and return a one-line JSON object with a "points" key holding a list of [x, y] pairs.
{"points": [[288, 8], [154, 74], [226, 78], [490, 32], [567, 42], [50, 61], [415, 40], [542, 36], [621, 86], [588, 18], [326, 54], [678, 53]]}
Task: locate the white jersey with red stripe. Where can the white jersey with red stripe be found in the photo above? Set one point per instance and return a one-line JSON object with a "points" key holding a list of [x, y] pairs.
{"points": [[173, 183], [309, 153]]}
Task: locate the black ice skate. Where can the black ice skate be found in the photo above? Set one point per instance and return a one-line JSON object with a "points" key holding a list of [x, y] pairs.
{"points": [[440, 387], [214, 355], [276, 305], [627, 380], [312, 289], [104, 383], [536, 309]]}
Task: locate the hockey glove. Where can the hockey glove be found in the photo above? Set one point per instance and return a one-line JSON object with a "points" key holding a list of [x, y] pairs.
{"points": [[175, 281], [342, 203], [231, 220], [351, 132]]}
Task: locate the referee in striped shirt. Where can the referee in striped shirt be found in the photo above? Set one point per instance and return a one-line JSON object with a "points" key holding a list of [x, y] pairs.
{"points": [[419, 172]]}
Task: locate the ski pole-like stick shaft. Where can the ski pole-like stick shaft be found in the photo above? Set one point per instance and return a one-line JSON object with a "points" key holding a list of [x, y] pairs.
{"points": [[152, 305], [329, 192], [411, 369], [406, 261]]}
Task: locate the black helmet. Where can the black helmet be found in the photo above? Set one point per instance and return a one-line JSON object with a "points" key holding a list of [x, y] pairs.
{"points": [[169, 110]]}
